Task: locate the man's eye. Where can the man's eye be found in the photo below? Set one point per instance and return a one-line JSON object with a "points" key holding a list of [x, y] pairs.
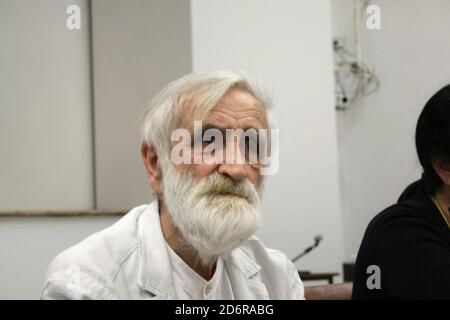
{"points": [[209, 141], [251, 144]]}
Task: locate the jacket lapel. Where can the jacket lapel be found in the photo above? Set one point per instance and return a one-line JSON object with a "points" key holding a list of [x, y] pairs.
{"points": [[245, 277], [154, 263]]}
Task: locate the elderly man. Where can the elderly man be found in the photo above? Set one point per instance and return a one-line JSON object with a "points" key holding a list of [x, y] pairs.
{"points": [[195, 241]]}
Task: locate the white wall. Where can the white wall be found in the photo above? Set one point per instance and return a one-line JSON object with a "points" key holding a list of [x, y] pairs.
{"points": [[45, 120], [45, 139], [27, 245], [139, 46], [287, 45], [377, 156], [45, 110]]}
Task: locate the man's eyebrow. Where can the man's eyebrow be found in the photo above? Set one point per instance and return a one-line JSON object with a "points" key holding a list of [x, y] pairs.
{"points": [[208, 126]]}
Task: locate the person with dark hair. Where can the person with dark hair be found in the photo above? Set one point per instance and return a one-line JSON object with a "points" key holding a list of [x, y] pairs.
{"points": [[405, 252]]}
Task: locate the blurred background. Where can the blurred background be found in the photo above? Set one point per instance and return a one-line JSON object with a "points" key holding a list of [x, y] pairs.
{"points": [[348, 79]]}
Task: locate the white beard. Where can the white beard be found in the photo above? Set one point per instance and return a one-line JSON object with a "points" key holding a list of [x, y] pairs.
{"points": [[211, 223]]}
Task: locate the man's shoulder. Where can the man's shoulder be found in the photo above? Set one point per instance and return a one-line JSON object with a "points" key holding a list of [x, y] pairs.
{"points": [[102, 253]]}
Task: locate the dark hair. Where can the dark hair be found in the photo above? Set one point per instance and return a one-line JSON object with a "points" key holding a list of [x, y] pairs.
{"points": [[433, 136]]}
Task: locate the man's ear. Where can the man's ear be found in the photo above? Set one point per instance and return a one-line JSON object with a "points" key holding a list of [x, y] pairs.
{"points": [[152, 164], [442, 167]]}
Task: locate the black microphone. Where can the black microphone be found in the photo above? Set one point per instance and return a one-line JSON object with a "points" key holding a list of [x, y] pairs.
{"points": [[317, 240]]}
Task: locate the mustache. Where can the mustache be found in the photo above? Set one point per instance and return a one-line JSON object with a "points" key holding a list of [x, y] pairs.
{"points": [[217, 184]]}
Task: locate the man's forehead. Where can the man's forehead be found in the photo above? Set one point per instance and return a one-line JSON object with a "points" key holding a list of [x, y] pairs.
{"points": [[236, 109]]}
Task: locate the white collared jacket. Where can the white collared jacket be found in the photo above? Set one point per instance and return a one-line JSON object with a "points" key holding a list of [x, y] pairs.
{"points": [[129, 260]]}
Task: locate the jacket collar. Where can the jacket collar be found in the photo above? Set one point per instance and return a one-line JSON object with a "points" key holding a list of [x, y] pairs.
{"points": [[245, 276], [154, 261], [155, 270]]}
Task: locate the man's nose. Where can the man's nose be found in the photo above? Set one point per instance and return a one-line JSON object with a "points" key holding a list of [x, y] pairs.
{"points": [[234, 165], [237, 172]]}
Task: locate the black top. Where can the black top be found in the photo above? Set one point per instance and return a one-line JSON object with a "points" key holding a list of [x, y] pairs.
{"points": [[410, 243]]}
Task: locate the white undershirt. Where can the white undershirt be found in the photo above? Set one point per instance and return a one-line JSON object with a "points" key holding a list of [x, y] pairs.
{"points": [[189, 285]]}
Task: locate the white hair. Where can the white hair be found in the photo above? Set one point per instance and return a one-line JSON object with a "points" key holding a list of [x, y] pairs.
{"points": [[202, 91]]}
